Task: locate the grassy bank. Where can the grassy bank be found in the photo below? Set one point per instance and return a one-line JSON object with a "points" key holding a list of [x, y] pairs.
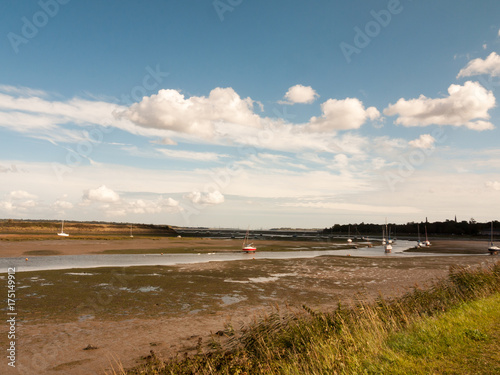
{"points": [[22, 230], [451, 327]]}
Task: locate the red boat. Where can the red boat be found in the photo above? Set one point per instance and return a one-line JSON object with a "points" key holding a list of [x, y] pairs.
{"points": [[248, 247]]}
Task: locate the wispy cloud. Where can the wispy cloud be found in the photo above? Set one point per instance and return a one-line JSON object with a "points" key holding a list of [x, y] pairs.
{"points": [[191, 155]]}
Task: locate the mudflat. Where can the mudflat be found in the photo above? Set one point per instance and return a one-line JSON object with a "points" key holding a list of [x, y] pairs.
{"points": [[120, 314]]}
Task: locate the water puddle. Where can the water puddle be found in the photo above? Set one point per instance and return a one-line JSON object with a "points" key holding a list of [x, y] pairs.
{"points": [[231, 300]]}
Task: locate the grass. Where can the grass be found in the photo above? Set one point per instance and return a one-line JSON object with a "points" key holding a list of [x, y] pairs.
{"points": [[462, 340], [453, 327]]}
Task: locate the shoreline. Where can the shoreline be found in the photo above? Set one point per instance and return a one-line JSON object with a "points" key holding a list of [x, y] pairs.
{"points": [[126, 312], [194, 245]]}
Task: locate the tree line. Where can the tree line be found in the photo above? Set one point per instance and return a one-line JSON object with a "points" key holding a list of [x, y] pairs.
{"points": [[448, 227]]}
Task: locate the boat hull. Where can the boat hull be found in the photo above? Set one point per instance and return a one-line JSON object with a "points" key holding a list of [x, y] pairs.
{"points": [[494, 250]]}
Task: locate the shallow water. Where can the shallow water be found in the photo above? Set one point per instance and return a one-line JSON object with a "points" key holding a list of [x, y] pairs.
{"points": [[39, 263]]}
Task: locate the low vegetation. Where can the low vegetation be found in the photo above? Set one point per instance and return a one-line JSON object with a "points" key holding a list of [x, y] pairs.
{"points": [[453, 327], [21, 230]]}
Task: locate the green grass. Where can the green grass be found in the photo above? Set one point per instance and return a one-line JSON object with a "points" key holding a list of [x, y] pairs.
{"points": [[452, 327], [461, 341]]}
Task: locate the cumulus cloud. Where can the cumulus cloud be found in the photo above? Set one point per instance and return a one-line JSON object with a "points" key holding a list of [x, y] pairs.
{"points": [[170, 110], [30, 203], [466, 105], [6, 206], [222, 117], [491, 66], [342, 114], [101, 194], [495, 185], [143, 206], [62, 205], [21, 194], [424, 141], [205, 198], [300, 94]]}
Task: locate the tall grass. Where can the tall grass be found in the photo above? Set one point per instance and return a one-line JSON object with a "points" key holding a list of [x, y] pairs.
{"points": [[348, 340]]}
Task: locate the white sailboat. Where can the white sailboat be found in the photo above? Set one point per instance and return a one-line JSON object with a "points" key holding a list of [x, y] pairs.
{"points": [[62, 231], [131, 235], [388, 246], [419, 243], [248, 247], [493, 249], [349, 240], [427, 242], [383, 236]]}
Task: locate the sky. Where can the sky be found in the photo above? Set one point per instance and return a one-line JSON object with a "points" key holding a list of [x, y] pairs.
{"points": [[259, 114]]}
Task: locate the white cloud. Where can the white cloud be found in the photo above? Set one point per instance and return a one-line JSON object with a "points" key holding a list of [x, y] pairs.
{"points": [[222, 118], [191, 155], [466, 105], [495, 185], [28, 204], [29, 112], [6, 206], [21, 194], [300, 94], [165, 141], [101, 194], [491, 66], [22, 91], [205, 198], [74, 110], [342, 114], [424, 141], [144, 206], [62, 205], [341, 162], [170, 110]]}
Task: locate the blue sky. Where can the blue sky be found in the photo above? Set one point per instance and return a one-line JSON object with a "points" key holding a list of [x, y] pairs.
{"points": [[249, 113]]}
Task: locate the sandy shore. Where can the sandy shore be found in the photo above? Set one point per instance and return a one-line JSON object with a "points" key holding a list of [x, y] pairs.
{"points": [[61, 313]]}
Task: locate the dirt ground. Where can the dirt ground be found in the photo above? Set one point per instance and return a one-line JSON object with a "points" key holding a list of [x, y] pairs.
{"points": [[127, 313]]}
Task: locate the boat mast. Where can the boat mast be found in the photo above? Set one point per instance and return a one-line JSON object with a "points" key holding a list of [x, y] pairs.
{"points": [[491, 234]]}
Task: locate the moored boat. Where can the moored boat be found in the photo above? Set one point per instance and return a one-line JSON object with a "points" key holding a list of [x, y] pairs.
{"points": [[493, 249], [62, 234], [248, 247]]}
